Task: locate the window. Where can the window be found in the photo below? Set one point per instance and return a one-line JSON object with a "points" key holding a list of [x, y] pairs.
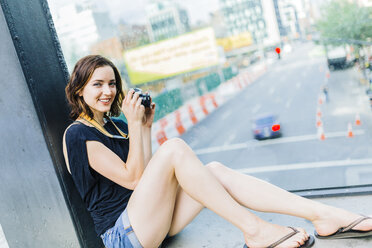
{"points": [[219, 85]]}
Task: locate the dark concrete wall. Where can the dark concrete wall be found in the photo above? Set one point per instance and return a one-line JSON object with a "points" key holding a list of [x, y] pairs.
{"points": [[32, 206], [39, 204]]}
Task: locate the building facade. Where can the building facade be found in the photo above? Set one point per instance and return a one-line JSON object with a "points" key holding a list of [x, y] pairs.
{"points": [[242, 16], [79, 27], [166, 19]]}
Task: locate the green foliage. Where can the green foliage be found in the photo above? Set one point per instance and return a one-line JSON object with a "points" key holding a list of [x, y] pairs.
{"points": [[346, 20]]}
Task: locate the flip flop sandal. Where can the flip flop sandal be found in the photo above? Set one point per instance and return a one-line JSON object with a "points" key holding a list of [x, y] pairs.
{"points": [[347, 232], [308, 243]]}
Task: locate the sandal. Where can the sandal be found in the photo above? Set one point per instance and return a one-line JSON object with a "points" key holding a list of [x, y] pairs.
{"points": [[308, 243], [348, 232]]}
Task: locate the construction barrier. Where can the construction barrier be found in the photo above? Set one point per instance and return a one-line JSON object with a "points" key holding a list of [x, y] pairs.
{"points": [[192, 112]]}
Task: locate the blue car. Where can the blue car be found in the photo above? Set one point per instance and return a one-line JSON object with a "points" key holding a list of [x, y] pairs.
{"points": [[266, 126]]}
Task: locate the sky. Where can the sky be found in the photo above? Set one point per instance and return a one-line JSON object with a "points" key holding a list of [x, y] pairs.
{"points": [[134, 11]]}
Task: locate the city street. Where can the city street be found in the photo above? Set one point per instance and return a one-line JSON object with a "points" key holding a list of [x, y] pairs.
{"points": [[298, 160]]}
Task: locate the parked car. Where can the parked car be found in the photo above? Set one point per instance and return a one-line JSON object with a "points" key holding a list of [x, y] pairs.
{"points": [[266, 126]]}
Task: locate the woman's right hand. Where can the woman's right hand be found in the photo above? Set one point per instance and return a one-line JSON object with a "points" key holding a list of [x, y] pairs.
{"points": [[132, 107]]}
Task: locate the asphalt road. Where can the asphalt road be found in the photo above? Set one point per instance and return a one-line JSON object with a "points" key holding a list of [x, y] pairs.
{"points": [[298, 160]]}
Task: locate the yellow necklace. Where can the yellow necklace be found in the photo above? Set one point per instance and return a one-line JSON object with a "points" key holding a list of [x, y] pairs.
{"points": [[100, 128]]}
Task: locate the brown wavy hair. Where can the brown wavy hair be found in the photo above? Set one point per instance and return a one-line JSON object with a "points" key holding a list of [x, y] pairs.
{"points": [[80, 76]]}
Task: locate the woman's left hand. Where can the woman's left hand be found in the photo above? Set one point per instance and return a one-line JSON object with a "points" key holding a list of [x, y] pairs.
{"points": [[148, 117]]}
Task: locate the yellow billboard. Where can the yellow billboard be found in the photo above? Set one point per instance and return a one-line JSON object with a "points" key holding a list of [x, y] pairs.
{"points": [[184, 53], [235, 41]]}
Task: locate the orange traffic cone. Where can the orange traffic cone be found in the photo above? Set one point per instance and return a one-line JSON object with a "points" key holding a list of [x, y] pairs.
{"points": [[318, 112], [321, 135], [350, 130], [320, 100], [319, 122], [357, 120], [328, 74]]}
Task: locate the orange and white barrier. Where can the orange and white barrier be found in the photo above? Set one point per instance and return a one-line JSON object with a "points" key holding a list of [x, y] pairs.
{"points": [[192, 112], [178, 122]]}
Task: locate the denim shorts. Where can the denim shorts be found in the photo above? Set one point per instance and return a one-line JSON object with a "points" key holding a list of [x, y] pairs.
{"points": [[121, 235]]}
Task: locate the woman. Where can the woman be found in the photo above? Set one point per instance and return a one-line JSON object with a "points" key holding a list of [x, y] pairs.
{"points": [[137, 199]]}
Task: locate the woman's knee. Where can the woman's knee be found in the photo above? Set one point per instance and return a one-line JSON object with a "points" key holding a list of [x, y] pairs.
{"points": [[215, 166], [173, 148], [220, 171]]}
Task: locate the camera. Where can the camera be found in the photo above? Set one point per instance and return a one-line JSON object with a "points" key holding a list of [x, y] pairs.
{"points": [[146, 99]]}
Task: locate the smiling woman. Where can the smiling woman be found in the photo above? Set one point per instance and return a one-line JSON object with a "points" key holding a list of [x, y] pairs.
{"points": [[143, 196], [196, 57], [125, 187]]}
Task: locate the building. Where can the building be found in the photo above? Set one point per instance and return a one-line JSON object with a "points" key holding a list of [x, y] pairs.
{"points": [[216, 21], [166, 19], [296, 18], [242, 16], [133, 35], [272, 25], [80, 26], [289, 19]]}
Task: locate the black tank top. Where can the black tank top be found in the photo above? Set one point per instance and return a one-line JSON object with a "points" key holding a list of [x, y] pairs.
{"points": [[104, 199]]}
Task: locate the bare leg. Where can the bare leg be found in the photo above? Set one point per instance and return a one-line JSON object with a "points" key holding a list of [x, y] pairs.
{"points": [[151, 206], [185, 210], [265, 197], [262, 196]]}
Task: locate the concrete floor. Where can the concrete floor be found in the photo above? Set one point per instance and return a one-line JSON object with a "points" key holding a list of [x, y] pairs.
{"points": [[209, 230]]}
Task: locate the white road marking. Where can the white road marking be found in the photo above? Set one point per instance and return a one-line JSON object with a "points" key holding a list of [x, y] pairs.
{"points": [[301, 166], [343, 111], [255, 143], [256, 108], [3, 242], [230, 138]]}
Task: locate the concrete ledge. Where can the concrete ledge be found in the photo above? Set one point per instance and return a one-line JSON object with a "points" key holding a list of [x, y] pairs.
{"points": [[209, 230]]}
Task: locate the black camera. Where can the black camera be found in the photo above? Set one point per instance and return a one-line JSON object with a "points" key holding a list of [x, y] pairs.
{"points": [[146, 99]]}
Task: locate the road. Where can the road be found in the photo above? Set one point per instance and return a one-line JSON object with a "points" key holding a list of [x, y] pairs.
{"points": [[298, 160]]}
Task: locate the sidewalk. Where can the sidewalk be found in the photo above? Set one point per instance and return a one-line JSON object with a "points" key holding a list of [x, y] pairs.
{"points": [[208, 230]]}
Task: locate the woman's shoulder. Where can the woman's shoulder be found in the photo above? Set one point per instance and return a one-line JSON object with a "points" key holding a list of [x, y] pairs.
{"points": [[79, 130]]}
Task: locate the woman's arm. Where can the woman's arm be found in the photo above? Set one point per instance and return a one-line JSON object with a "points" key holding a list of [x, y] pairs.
{"points": [[107, 163], [146, 132], [147, 149]]}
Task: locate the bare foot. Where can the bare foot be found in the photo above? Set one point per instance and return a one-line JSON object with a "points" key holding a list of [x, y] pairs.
{"points": [[268, 234], [335, 218]]}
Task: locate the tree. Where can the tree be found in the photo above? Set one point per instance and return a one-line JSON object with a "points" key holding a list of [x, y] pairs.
{"points": [[342, 19]]}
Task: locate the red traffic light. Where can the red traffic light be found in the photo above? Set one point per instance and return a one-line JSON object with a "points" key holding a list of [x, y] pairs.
{"points": [[275, 127], [277, 50]]}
